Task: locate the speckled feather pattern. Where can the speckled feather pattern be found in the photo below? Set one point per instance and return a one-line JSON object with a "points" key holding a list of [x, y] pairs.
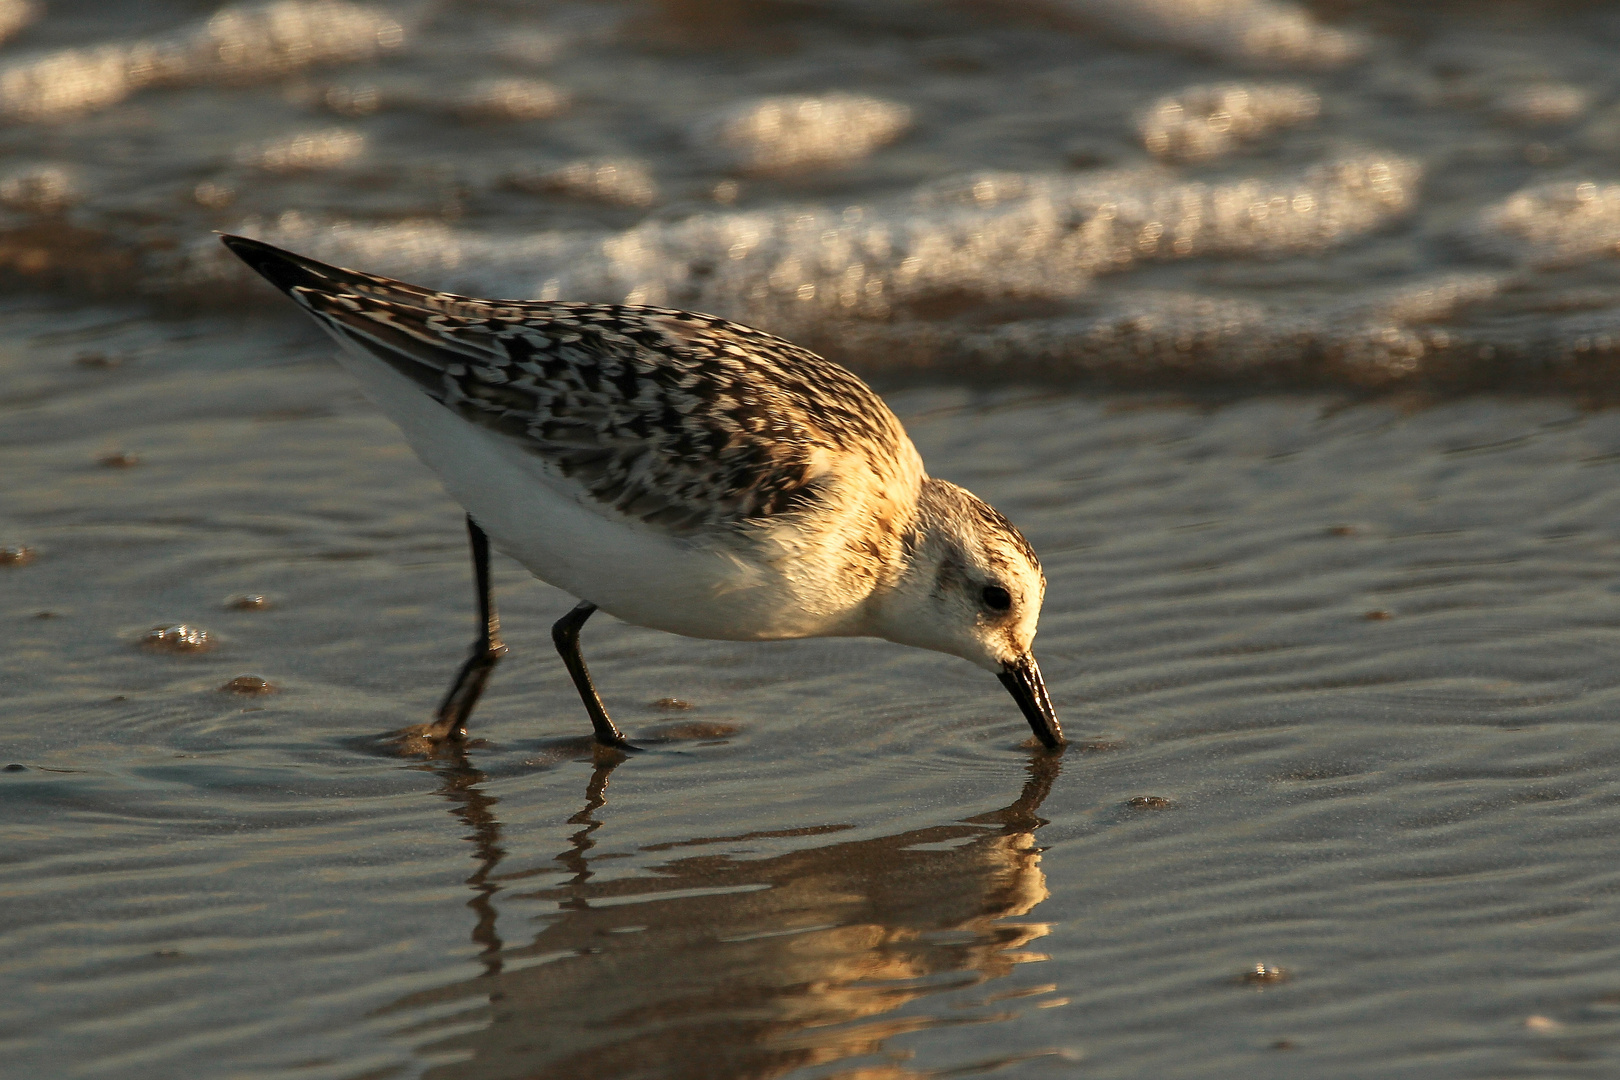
{"points": [[683, 421], [683, 472]]}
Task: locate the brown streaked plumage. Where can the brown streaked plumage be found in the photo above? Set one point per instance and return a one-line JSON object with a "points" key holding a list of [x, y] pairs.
{"points": [[680, 419], [680, 471]]}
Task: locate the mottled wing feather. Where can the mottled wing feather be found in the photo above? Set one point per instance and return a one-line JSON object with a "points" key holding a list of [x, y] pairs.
{"points": [[683, 421]]}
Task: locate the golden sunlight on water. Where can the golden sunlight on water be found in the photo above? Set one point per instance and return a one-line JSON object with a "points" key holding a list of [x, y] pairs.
{"points": [[1264, 776], [719, 965], [1284, 330]]}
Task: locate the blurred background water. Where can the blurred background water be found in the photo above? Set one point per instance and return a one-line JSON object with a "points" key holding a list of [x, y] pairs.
{"points": [[1284, 331]]}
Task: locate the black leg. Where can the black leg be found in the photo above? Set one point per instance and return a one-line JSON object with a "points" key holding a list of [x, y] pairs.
{"points": [[487, 650], [566, 634]]}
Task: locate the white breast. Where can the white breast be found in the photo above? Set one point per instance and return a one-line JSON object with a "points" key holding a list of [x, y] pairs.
{"points": [[709, 587]]}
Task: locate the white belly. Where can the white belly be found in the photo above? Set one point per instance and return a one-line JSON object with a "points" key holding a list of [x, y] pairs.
{"points": [[698, 588]]}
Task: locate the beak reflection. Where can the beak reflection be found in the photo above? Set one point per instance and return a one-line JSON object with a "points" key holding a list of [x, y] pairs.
{"points": [[1022, 678]]}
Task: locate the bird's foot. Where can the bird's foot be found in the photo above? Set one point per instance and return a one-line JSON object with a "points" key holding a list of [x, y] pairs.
{"points": [[614, 748]]}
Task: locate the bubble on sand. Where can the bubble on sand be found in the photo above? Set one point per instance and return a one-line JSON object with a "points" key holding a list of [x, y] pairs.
{"points": [[247, 602], [1264, 974], [17, 555], [1202, 123], [249, 685], [177, 638], [236, 44], [781, 134]]}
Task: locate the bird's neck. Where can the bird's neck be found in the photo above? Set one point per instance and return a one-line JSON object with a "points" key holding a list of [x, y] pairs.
{"points": [[895, 606]]}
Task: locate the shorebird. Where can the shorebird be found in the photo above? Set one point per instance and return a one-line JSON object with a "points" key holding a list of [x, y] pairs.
{"points": [[679, 472]]}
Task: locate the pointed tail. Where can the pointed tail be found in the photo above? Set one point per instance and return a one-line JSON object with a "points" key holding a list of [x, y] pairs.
{"points": [[285, 270]]}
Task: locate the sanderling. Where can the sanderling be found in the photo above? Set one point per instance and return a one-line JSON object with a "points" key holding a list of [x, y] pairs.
{"points": [[680, 472]]}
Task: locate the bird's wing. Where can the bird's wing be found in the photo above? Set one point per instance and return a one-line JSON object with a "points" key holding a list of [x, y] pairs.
{"points": [[679, 420]]}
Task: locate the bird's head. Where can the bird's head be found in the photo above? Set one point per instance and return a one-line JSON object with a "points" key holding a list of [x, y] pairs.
{"points": [[972, 587]]}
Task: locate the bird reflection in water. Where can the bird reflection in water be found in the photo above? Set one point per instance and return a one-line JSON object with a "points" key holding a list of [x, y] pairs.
{"points": [[721, 966]]}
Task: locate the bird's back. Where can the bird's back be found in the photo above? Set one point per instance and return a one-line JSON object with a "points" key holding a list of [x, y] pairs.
{"points": [[747, 487], [682, 421]]}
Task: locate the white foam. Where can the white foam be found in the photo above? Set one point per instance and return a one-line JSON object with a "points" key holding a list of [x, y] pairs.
{"points": [[1542, 104], [1257, 32], [1112, 220], [483, 100], [510, 99], [38, 189], [778, 134], [1562, 223], [16, 14], [305, 151], [530, 47], [1201, 123], [361, 99], [68, 82], [985, 238], [236, 44], [426, 250], [1133, 335]]}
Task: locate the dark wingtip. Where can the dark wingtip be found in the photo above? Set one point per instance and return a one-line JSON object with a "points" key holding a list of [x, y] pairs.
{"points": [[283, 269]]}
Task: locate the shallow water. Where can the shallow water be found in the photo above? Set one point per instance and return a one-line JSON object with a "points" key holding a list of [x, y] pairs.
{"points": [[1362, 649], [1337, 667], [1239, 191]]}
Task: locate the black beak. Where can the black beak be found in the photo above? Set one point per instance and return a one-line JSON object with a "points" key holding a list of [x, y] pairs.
{"points": [[1022, 678]]}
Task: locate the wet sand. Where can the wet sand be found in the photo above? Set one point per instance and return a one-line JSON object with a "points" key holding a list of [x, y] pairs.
{"points": [[1338, 674]]}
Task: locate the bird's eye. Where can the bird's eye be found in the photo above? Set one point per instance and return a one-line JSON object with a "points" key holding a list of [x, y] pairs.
{"points": [[996, 598]]}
